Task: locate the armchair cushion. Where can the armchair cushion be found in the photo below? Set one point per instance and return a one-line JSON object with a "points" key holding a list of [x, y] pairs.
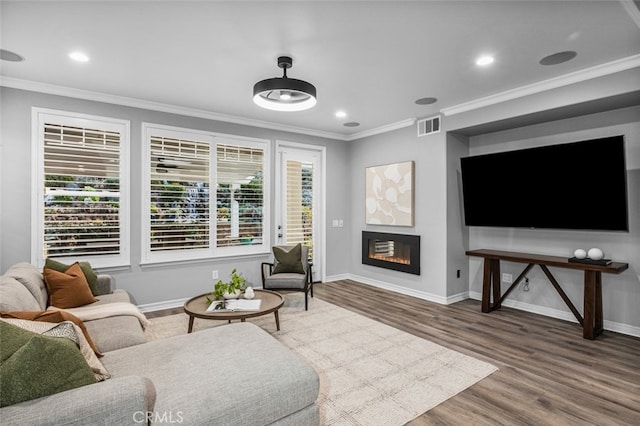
{"points": [[286, 281], [288, 261]]}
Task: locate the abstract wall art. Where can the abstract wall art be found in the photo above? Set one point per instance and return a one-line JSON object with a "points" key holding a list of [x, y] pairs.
{"points": [[389, 194]]}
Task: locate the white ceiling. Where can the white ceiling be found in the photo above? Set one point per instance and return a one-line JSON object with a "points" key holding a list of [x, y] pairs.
{"points": [[372, 59]]}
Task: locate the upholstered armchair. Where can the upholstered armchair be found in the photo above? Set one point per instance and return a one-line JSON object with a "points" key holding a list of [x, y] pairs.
{"points": [[291, 271]]}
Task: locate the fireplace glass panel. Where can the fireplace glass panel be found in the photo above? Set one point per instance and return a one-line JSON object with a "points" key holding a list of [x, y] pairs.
{"points": [[390, 251]]}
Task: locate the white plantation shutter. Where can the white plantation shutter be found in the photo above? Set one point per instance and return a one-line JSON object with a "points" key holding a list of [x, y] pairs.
{"points": [[299, 226], [240, 194], [81, 208], [204, 195], [82, 191], [179, 193]]}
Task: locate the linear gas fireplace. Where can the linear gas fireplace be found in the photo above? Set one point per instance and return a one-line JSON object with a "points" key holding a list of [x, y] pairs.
{"points": [[391, 251]]}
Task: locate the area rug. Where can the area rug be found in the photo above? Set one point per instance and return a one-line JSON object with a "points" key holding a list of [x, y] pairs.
{"points": [[370, 373]]}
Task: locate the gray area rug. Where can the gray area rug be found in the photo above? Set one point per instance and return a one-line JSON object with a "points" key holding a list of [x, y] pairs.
{"points": [[370, 373]]}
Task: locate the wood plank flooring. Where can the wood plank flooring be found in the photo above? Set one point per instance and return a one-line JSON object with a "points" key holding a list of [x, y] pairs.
{"points": [[549, 374]]}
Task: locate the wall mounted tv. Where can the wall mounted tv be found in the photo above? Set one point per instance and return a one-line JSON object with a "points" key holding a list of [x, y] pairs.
{"points": [[580, 186]]}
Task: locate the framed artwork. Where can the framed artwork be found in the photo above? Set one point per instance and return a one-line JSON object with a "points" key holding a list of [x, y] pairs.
{"points": [[389, 194]]}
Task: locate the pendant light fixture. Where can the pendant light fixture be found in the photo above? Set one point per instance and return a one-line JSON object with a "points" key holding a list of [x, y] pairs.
{"points": [[284, 93]]}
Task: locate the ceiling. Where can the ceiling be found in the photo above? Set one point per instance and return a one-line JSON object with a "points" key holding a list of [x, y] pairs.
{"points": [[371, 59]]}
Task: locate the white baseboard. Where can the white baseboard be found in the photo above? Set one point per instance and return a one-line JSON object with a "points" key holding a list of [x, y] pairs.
{"points": [[407, 291], [563, 315], [159, 306]]}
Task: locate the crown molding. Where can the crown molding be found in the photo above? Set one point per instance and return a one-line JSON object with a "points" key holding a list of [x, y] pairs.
{"points": [[52, 89], [542, 86], [632, 9], [382, 129], [531, 89]]}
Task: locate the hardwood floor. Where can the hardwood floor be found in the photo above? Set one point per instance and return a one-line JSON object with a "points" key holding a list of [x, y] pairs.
{"points": [[549, 374]]}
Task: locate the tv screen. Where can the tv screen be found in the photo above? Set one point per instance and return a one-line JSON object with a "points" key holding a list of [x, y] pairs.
{"points": [[580, 185]]}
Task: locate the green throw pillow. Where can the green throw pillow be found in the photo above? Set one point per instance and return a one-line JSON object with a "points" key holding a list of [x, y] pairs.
{"points": [[33, 365], [87, 270], [288, 261]]}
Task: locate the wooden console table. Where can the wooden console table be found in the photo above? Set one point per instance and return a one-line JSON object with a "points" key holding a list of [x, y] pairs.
{"points": [[592, 321]]}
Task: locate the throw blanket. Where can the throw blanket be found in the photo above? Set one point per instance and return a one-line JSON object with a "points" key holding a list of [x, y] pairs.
{"points": [[93, 312], [52, 317]]}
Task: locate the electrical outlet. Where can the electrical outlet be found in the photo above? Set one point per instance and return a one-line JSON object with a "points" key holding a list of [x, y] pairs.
{"points": [[214, 274], [507, 278]]}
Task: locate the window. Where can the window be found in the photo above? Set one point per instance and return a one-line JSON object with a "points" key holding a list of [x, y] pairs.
{"points": [[80, 188], [206, 195]]}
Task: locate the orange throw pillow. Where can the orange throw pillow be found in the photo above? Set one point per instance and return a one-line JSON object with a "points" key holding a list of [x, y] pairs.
{"points": [[68, 289]]}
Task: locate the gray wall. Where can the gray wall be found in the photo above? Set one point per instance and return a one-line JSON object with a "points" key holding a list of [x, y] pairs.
{"points": [[621, 293], [438, 202], [149, 284], [457, 235], [428, 153]]}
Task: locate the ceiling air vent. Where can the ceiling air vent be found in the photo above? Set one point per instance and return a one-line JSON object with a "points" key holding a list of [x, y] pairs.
{"points": [[429, 125]]}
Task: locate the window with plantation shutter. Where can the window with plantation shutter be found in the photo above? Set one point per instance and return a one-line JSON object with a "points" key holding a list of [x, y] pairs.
{"points": [[205, 194], [81, 189]]}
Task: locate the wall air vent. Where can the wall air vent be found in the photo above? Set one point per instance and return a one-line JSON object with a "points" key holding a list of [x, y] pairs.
{"points": [[429, 125]]}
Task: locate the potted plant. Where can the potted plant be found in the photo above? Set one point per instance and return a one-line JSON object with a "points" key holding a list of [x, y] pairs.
{"points": [[230, 289]]}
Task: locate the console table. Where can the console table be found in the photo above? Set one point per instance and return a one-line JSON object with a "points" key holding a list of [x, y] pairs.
{"points": [[592, 321]]}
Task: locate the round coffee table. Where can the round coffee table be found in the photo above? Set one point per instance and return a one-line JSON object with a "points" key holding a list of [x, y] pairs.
{"points": [[196, 307]]}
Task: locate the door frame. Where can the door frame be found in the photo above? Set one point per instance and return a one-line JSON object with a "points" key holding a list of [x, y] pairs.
{"points": [[320, 222]]}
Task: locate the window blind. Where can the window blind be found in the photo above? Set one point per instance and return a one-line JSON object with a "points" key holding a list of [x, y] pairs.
{"points": [[240, 195], [180, 182], [299, 201], [81, 191]]}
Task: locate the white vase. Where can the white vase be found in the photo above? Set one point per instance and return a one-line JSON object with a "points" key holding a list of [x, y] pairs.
{"points": [[234, 295], [580, 254], [595, 253], [249, 293]]}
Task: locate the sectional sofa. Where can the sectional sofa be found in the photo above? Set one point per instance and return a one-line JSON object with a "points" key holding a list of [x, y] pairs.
{"points": [[228, 375]]}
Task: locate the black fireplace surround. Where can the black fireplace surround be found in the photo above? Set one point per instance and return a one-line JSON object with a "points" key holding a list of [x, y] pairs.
{"points": [[398, 252]]}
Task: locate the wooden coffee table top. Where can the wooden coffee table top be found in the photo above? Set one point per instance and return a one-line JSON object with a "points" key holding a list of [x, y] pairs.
{"points": [[197, 307]]}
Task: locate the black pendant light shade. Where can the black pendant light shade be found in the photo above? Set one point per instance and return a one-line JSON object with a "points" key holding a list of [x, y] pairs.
{"points": [[283, 93]]}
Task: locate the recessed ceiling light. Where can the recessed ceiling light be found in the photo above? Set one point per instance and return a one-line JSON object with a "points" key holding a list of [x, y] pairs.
{"points": [[7, 55], [426, 101], [558, 58], [351, 124], [484, 60], [341, 114], [79, 56]]}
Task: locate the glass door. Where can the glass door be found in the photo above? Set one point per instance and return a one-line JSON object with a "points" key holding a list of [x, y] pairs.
{"points": [[298, 201]]}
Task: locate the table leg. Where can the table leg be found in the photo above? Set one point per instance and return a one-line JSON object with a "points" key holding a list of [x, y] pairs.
{"points": [[486, 286], [277, 320], [190, 329], [593, 322], [491, 285], [495, 275]]}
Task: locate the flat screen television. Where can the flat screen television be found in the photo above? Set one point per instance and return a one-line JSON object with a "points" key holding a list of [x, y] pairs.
{"points": [[579, 186]]}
